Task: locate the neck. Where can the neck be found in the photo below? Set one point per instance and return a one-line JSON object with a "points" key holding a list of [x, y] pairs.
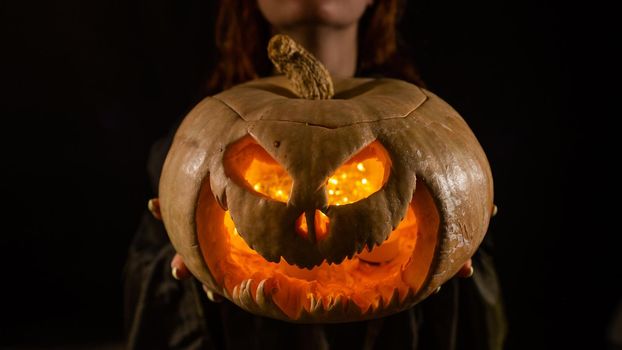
{"points": [[335, 47]]}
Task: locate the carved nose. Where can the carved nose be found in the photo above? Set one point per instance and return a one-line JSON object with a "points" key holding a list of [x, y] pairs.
{"points": [[312, 225]]}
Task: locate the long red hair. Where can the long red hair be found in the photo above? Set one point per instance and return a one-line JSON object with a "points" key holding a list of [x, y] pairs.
{"points": [[242, 34]]}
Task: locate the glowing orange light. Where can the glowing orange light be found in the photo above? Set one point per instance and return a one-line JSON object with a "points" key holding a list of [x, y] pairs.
{"points": [[390, 248], [320, 221], [357, 179], [354, 278], [360, 177], [367, 279], [269, 179], [250, 164]]}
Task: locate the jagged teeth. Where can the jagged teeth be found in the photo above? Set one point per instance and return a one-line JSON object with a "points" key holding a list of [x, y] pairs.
{"points": [[225, 292], [242, 295], [235, 294], [352, 309], [301, 266], [317, 306], [369, 246], [339, 305], [394, 301], [274, 259], [245, 295], [379, 241], [380, 305], [312, 302], [330, 301], [337, 261], [361, 248], [260, 297]]}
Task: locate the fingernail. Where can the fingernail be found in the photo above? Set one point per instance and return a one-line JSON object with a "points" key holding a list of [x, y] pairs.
{"points": [[214, 297], [471, 271], [154, 207], [438, 289], [175, 273], [210, 295]]}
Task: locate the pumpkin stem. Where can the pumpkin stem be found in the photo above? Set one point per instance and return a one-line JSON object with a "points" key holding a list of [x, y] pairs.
{"points": [[310, 78]]}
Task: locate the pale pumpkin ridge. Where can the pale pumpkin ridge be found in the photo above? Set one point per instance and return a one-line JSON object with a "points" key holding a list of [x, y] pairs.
{"points": [[309, 77]]}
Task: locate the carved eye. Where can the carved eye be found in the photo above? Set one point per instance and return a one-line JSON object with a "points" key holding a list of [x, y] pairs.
{"points": [[361, 176], [248, 164]]}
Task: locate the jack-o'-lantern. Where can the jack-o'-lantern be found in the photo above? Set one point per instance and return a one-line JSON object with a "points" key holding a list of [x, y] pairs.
{"points": [[320, 209]]}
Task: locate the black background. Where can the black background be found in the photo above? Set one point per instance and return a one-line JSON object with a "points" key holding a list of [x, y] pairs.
{"points": [[88, 86]]}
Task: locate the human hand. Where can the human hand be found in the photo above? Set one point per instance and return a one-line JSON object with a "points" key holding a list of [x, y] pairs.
{"points": [[466, 270], [180, 271]]}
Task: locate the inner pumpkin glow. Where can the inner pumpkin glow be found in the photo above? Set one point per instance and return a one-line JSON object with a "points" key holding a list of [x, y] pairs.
{"points": [[360, 177], [266, 176], [397, 268], [321, 222], [365, 279]]}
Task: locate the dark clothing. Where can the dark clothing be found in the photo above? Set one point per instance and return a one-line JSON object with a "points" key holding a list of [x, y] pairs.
{"points": [[163, 313]]}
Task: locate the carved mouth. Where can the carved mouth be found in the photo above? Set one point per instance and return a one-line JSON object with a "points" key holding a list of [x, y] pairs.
{"points": [[369, 284]]}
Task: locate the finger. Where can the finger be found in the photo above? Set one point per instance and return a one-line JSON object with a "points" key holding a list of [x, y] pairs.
{"points": [[179, 269], [154, 208], [466, 270], [215, 297]]}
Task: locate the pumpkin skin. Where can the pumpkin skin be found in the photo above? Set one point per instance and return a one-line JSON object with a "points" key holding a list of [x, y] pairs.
{"points": [[435, 197]]}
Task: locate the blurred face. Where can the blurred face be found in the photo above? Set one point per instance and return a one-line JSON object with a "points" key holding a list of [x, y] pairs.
{"points": [[284, 14]]}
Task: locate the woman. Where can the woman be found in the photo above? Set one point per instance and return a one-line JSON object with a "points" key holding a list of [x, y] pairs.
{"points": [[353, 37]]}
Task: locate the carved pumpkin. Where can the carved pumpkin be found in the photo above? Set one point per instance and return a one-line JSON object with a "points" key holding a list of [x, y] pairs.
{"points": [[325, 210]]}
